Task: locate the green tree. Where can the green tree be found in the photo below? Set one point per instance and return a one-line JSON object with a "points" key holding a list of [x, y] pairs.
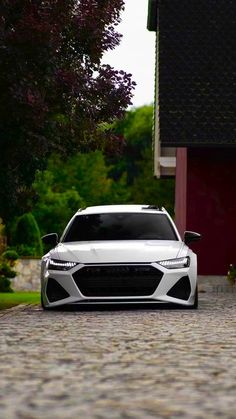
{"points": [[137, 160], [54, 208], [93, 179], [26, 236], [67, 185], [149, 190], [136, 128]]}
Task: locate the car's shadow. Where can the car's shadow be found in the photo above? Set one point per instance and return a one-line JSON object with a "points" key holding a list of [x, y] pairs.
{"points": [[119, 307]]}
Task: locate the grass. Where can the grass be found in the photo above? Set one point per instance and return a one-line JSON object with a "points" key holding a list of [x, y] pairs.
{"points": [[8, 300]]}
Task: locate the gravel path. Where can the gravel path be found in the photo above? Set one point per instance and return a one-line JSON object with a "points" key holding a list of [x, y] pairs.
{"points": [[121, 364]]}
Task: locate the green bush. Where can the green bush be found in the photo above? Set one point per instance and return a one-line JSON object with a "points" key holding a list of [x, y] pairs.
{"points": [[231, 276], [10, 255], [26, 236], [7, 262]]}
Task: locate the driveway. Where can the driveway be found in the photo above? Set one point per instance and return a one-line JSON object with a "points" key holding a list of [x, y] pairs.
{"points": [[121, 364]]}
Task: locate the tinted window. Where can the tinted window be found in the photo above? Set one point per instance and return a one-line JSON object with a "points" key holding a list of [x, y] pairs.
{"points": [[120, 226]]}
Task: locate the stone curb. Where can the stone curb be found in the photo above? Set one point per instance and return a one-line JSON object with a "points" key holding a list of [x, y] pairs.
{"points": [[15, 309]]}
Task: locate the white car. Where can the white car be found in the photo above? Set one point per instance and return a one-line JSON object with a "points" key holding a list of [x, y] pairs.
{"points": [[120, 254]]}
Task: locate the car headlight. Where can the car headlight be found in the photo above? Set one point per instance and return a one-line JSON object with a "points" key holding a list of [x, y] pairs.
{"points": [[60, 265], [175, 263]]}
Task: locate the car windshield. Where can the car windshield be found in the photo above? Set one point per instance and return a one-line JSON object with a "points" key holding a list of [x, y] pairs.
{"points": [[120, 226]]}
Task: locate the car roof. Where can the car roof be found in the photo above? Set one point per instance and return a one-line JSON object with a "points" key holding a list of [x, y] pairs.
{"points": [[101, 209]]}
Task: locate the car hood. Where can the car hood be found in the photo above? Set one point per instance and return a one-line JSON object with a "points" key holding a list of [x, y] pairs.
{"points": [[120, 251]]}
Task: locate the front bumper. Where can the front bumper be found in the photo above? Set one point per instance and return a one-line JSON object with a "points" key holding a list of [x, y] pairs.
{"points": [[127, 283]]}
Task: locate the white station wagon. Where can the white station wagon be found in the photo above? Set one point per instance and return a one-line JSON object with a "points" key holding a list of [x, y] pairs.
{"points": [[117, 254]]}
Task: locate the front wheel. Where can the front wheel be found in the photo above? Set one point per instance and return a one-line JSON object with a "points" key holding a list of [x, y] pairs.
{"points": [[195, 304], [42, 303]]}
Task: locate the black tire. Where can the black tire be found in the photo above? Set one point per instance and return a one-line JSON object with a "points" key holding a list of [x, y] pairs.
{"points": [[42, 304], [195, 304]]}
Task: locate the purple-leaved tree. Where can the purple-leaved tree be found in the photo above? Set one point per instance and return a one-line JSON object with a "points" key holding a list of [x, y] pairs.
{"points": [[55, 93]]}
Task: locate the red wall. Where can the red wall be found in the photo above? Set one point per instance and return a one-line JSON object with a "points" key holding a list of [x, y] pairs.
{"points": [[211, 206]]}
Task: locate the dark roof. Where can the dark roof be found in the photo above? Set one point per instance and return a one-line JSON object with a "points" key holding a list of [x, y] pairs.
{"points": [[197, 72]]}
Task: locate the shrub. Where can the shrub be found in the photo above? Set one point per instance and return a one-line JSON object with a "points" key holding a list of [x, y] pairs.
{"points": [[7, 262], [26, 236], [231, 276], [10, 255]]}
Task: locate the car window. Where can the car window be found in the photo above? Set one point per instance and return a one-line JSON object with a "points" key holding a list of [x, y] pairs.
{"points": [[120, 226]]}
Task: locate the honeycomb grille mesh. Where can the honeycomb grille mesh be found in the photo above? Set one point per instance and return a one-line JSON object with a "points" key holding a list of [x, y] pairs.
{"points": [[117, 280]]}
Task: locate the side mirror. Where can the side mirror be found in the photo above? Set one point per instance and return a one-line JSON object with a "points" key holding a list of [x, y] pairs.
{"points": [[51, 239], [191, 236]]}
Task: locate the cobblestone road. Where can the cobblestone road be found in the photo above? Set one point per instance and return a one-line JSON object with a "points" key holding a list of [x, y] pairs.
{"points": [[121, 364]]}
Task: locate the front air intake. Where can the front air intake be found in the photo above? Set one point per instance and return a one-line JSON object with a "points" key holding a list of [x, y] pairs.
{"points": [[181, 289], [55, 291]]}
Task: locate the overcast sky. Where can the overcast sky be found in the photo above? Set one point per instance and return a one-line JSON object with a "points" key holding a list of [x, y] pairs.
{"points": [[136, 52]]}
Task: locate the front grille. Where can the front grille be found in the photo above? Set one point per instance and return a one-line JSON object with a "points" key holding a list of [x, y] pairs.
{"points": [[55, 291], [117, 280]]}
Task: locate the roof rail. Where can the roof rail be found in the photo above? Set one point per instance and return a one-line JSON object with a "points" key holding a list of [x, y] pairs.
{"points": [[151, 207]]}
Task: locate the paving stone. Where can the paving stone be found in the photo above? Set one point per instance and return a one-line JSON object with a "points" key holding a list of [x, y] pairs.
{"points": [[139, 363]]}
